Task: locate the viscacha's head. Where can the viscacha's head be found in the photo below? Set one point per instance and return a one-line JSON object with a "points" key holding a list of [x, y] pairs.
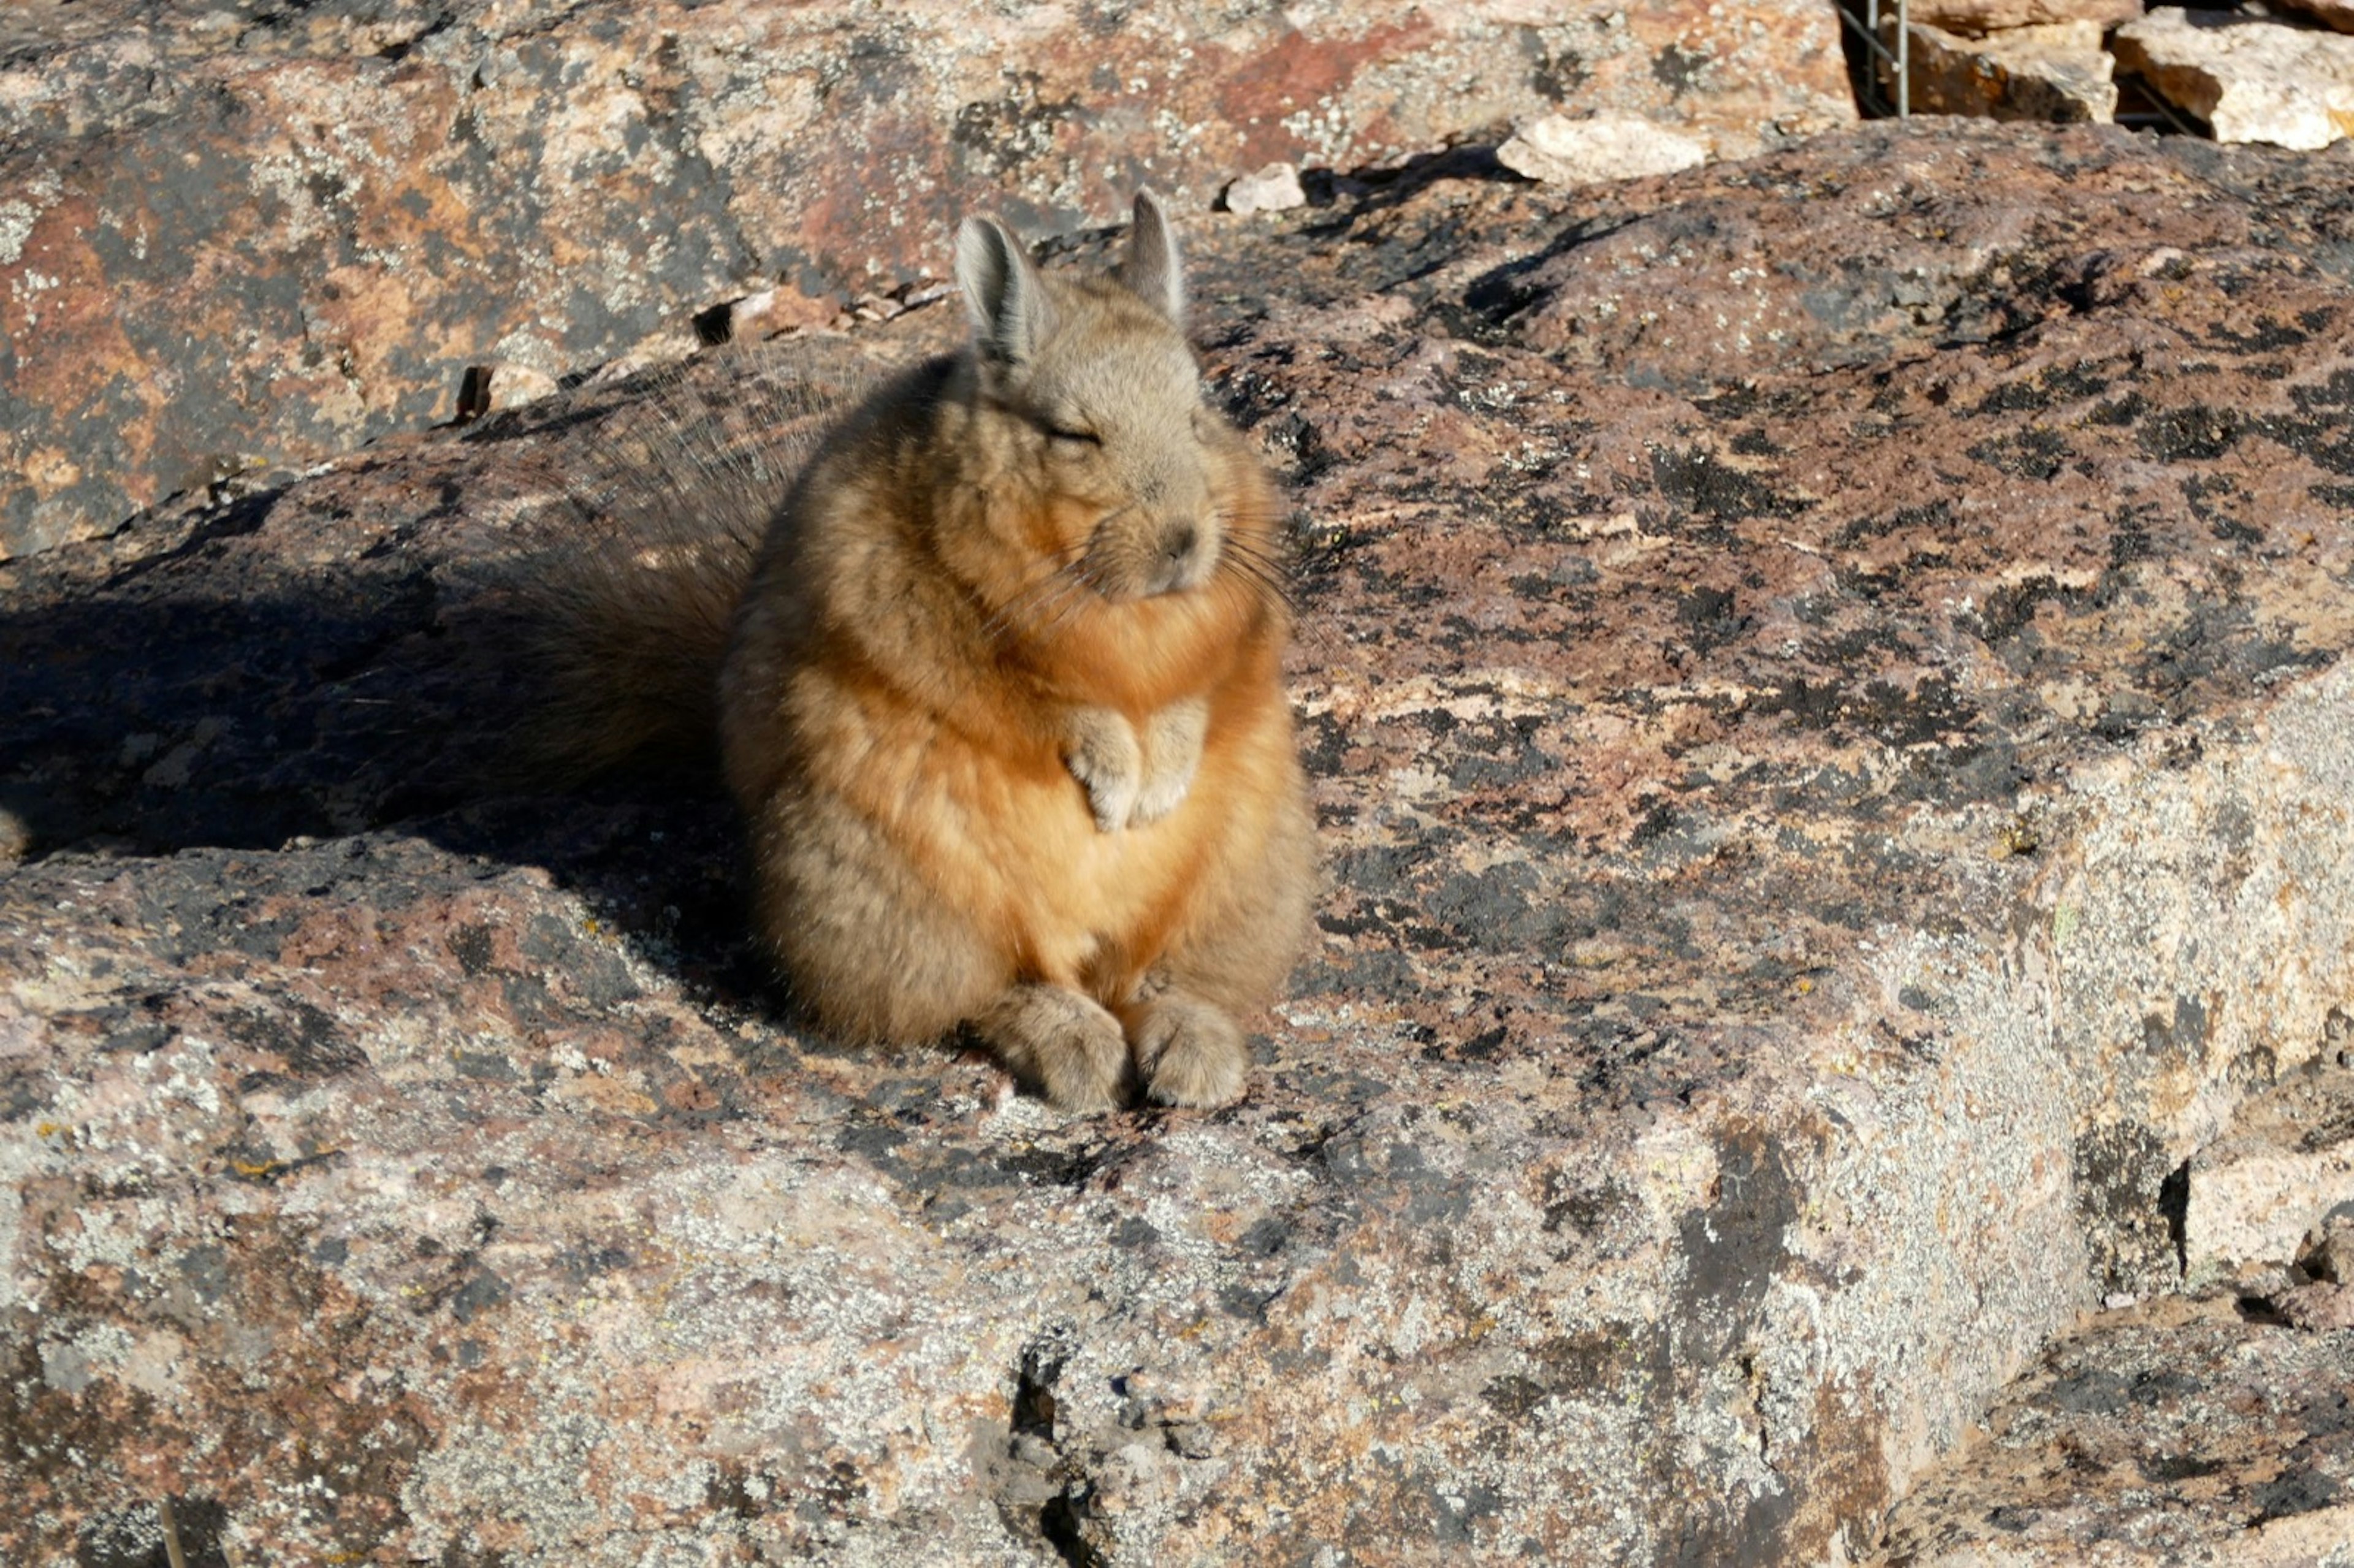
{"points": [[1105, 467]]}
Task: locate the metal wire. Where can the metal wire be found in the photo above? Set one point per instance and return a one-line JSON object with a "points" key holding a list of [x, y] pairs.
{"points": [[1899, 61], [1886, 89], [2162, 113]]}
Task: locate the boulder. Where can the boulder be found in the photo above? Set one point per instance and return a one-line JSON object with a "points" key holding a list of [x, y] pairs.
{"points": [[1565, 152], [2214, 1427], [2264, 1195], [2249, 78], [237, 240], [2057, 72], [1275, 188], [2179, 1432], [1824, 684], [1977, 19]]}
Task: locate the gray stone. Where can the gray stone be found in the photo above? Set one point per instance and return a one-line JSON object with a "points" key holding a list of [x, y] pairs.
{"points": [[2250, 79], [1565, 152], [1275, 188]]}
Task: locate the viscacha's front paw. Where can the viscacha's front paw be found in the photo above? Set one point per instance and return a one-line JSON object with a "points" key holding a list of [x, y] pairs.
{"points": [[1100, 750], [1173, 755]]}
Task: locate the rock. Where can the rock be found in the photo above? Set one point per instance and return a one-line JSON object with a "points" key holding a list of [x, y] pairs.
{"points": [[1564, 152], [767, 312], [2338, 14], [1684, 1127], [488, 388], [2175, 1434], [545, 184], [2318, 1308], [2058, 72], [1978, 18], [2274, 1179], [2251, 79], [2331, 1259], [1274, 188]]}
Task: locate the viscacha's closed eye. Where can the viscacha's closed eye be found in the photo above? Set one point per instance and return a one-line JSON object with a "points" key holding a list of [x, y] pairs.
{"points": [[1074, 435]]}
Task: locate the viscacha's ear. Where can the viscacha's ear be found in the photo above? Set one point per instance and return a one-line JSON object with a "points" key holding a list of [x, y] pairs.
{"points": [[1150, 269], [1002, 292]]}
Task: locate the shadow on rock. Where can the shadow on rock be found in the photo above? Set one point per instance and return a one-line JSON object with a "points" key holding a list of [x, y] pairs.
{"points": [[292, 670], [355, 653]]}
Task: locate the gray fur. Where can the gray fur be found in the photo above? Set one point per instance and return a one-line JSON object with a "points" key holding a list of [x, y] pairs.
{"points": [[1151, 270], [1003, 293]]}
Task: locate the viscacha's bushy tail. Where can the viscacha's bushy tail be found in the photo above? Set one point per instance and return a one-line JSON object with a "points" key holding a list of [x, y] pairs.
{"points": [[635, 548]]}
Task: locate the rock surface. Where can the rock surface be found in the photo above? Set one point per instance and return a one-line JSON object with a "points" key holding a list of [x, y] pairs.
{"points": [[2214, 1430], [2059, 71], [1825, 680], [2264, 1195], [1975, 18], [2177, 1436], [2249, 78], [240, 236], [1565, 152]]}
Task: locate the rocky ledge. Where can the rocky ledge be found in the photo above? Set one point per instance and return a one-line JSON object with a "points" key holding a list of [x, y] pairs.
{"points": [[2215, 1427], [1824, 680], [239, 236]]}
